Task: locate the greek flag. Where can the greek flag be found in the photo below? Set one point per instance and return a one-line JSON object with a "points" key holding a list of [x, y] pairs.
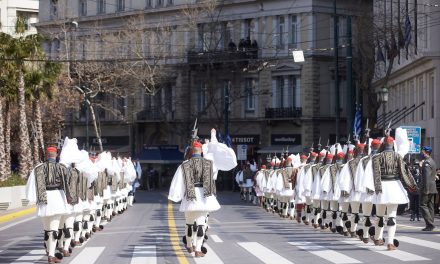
{"points": [[357, 124]]}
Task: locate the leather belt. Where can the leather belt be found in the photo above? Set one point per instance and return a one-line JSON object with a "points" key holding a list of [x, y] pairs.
{"points": [[389, 177], [52, 188], [199, 184]]}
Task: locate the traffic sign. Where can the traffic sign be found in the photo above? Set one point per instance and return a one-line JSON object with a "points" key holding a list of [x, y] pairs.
{"points": [[414, 137], [242, 152]]}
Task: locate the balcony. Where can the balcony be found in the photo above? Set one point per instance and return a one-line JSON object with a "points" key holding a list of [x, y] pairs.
{"points": [[283, 112], [150, 114], [221, 56]]}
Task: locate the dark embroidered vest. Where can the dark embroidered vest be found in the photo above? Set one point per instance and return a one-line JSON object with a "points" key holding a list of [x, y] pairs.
{"points": [[121, 182], [198, 170], [334, 169], [82, 187], [50, 176], [352, 165], [72, 179]]}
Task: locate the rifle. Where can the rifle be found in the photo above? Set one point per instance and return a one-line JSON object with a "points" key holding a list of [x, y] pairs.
{"points": [[194, 137], [348, 148], [367, 137]]}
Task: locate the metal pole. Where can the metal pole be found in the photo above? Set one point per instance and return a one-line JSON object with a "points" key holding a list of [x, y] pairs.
{"points": [[227, 109], [350, 94], [336, 44], [87, 123]]}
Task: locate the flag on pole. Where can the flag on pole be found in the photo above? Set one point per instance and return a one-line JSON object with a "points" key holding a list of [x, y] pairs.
{"points": [[357, 124]]}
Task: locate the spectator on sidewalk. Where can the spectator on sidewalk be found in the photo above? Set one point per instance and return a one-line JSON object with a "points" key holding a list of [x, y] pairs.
{"points": [[428, 188]]}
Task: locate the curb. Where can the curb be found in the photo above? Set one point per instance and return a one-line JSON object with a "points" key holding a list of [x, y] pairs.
{"points": [[14, 215]]}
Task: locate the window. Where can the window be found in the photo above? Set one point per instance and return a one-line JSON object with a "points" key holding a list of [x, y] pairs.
{"points": [[293, 30], [82, 7], [281, 28], [53, 9], [278, 92], [101, 6], [247, 28], [286, 92], [56, 48], [170, 2], [148, 3], [120, 5], [159, 3], [249, 88], [201, 96]]}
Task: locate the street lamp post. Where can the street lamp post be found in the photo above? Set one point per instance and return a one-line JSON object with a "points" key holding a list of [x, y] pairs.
{"points": [[383, 99]]}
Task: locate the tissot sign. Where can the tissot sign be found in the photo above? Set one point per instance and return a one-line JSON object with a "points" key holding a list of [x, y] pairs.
{"points": [[247, 139], [286, 139]]}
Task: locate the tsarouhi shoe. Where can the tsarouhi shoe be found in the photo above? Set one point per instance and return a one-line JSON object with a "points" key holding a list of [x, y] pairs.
{"points": [[53, 260], [199, 254]]}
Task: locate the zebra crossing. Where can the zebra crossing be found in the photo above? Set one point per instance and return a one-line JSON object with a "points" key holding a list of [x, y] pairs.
{"points": [[262, 252]]}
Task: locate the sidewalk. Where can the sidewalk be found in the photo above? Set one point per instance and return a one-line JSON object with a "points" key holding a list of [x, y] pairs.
{"points": [[9, 215]]}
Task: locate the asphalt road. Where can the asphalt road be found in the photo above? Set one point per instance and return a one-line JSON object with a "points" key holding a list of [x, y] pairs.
{"points": [[150, 232]]}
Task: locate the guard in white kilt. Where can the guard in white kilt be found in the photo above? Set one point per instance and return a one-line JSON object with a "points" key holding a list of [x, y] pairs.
{"points": [[343, 181], [299, 188], [307, 187], [365, 184], [325, 204], [316, 189], [350, 187], [284, 187], [47, 187], [259, 176], [388, 171], [331, 189], [194, 185]]}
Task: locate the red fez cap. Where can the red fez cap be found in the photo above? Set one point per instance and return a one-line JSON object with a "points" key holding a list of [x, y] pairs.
{"points": [[389, 140], [196, 144], [361, 145], [314, 154], [375, 142], [263, 167], [329, 156], [350, 151], [341, 155], [272, 163], [289, 158], [303, 157], [51, 149], [321, 154]]}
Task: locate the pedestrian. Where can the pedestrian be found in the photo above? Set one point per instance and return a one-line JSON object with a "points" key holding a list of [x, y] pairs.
{"points": [[414, 198], [428, 188]]}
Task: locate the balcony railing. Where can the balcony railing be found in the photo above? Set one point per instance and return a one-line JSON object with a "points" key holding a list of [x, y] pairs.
{"points": [[223, 56], [150, 114], [283, 112]]}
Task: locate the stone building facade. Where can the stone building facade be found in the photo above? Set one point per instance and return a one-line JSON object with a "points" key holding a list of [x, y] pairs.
{"points": [[11, 9], [246, 52]]}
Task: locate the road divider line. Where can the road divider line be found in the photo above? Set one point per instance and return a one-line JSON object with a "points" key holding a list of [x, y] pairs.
{"points": [[216, 239], [174, 236], [210, 258], [325, 253], [88, 255], [397, 254], [32, 256], [262, 253], [144, 255], [16, 223], [12, 216], [419, 242]]}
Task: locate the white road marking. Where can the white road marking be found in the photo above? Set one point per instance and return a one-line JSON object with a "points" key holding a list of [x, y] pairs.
{"points": [[144, 255], [325, 253], [88, 255], [264, 254], [216, 239], [16, 223], [419, 242], [410, 227], [32, 256], [209, 258], [397, 254]]}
